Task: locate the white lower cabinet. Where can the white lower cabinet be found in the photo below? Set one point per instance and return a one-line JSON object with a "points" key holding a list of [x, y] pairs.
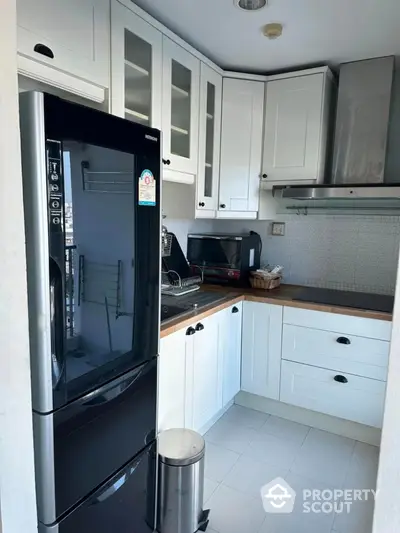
{"points": [[203, 384], [261, 349], [171, 381], [327, 391], [199, 370], [230, 350]]}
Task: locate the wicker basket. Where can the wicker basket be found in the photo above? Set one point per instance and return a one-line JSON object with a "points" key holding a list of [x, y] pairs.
{"points": [[258, 281]]}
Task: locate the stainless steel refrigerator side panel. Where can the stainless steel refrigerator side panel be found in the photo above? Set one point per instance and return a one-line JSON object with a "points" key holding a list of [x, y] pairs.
{"points": [[43, 432], [33, 148]]}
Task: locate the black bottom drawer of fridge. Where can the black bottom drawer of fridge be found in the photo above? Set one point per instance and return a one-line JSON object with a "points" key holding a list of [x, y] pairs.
{"points": [[124, 504]]}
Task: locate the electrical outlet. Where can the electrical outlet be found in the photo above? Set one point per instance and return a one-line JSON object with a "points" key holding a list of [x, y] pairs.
{"points": [[278, 228]]}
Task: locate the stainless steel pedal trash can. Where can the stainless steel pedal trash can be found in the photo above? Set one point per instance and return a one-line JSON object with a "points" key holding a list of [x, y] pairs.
{"points": [[181, 482]]}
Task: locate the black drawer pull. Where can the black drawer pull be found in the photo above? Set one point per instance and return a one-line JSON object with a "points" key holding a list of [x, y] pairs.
{"points": [[235, 310], [44, 50], [199, 327], [341, 379], [190, 331], [166, 161], [343, 340]]}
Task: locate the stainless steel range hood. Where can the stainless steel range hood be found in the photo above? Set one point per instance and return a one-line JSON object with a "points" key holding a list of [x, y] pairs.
{"points": [[361, 130]]}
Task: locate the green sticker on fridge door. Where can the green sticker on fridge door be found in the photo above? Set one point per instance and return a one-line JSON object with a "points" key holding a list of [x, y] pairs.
{"points": [[147, 188]]}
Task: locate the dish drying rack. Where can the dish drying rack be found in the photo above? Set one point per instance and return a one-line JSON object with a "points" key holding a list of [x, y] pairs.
{"points": [[179, 287]]}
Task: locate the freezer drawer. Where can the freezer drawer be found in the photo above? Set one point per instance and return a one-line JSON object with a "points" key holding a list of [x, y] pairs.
{"points": [[124, 504], [85, 442]]}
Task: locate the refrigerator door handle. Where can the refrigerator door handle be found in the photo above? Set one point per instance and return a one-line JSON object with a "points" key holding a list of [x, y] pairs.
{"points": [[106, 393], [56, 322], [119, 483]]}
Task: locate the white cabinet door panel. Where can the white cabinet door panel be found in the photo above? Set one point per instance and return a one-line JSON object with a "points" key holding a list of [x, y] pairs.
{"points": [[293, 115], [356, 355], [76, 32], [230, 341], [241, 145], [136, 83], [359, 399], [261, 349], [171, 381]]}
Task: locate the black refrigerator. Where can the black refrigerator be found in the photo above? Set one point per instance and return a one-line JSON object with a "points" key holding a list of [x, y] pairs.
{"points": [[92, 216]]}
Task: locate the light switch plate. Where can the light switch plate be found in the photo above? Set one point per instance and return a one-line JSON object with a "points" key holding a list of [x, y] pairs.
{"points": [[278, 228]]}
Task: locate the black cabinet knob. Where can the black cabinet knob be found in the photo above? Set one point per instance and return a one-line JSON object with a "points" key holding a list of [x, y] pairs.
{"points": [[166, 161], [235, 309], [202, 204], [341, 379], [44, 50], [343, 340], [190, 331], [199, 327], [222, 206], [264, 176]]}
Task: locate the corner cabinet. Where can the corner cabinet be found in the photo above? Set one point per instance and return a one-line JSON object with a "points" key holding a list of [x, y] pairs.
{"points": [[297, 112], [180, 109], [59, 40], [261, 349], [209, 142], [136, 49], [230, 350], [241, 148]]}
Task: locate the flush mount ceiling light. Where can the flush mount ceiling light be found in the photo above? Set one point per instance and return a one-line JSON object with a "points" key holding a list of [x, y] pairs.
{"points": [[272, 30], [250, 5]]}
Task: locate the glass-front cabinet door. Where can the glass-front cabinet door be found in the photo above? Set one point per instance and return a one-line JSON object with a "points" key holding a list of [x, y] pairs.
{"points": [[136, 67], [209, 140], [180, 108]]}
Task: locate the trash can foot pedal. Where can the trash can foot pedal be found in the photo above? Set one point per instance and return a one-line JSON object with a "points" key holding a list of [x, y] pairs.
{"points": [[204, 520]]}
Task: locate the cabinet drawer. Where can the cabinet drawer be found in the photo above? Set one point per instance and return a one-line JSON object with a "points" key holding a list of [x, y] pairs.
{"points": [[360, 399], [328, 349], [343, 324]]}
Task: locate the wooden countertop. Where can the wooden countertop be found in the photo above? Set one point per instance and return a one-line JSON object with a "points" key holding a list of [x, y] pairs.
{"points": [[282, 296]]}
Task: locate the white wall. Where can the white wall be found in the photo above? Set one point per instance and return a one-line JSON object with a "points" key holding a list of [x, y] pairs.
{"points": [[17, 490], [181, 228], [348, 252], [387, 506]]}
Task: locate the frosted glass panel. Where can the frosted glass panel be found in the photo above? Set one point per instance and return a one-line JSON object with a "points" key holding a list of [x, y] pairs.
{"points": [[208, 179], [138, 59], [180, 109]]}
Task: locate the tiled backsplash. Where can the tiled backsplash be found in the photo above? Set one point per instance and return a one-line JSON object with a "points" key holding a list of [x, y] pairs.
{"points": [[344, 252]]}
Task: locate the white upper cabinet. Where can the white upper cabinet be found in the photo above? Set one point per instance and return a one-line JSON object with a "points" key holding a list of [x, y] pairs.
{"points": [[241, 148], [70, 37], [296, 121], [209, 140], [261, 349], [180, 108], [136, 49]]}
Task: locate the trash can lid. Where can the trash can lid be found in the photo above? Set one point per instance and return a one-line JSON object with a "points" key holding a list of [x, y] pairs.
{"points": [[180, 447]]}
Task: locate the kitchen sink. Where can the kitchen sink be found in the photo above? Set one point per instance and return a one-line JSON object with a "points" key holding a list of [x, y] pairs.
{"points": [[173, 306]]}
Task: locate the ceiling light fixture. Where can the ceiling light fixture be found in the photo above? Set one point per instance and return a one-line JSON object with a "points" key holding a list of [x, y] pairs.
{"points": [[250, 5], [273, 30]]}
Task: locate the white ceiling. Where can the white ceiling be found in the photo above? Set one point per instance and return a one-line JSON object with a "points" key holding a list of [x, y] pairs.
{"points": [[315, 31]]}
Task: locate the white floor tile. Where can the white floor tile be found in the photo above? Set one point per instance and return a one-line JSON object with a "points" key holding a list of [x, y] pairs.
{"points": [[358, 520], [272, 450], [299, 521], [285, 429], [245, 417], [209, 488], [218, 462], [324, 457], [235, 512], [249, 476], [363, 467], [232, 436]]}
